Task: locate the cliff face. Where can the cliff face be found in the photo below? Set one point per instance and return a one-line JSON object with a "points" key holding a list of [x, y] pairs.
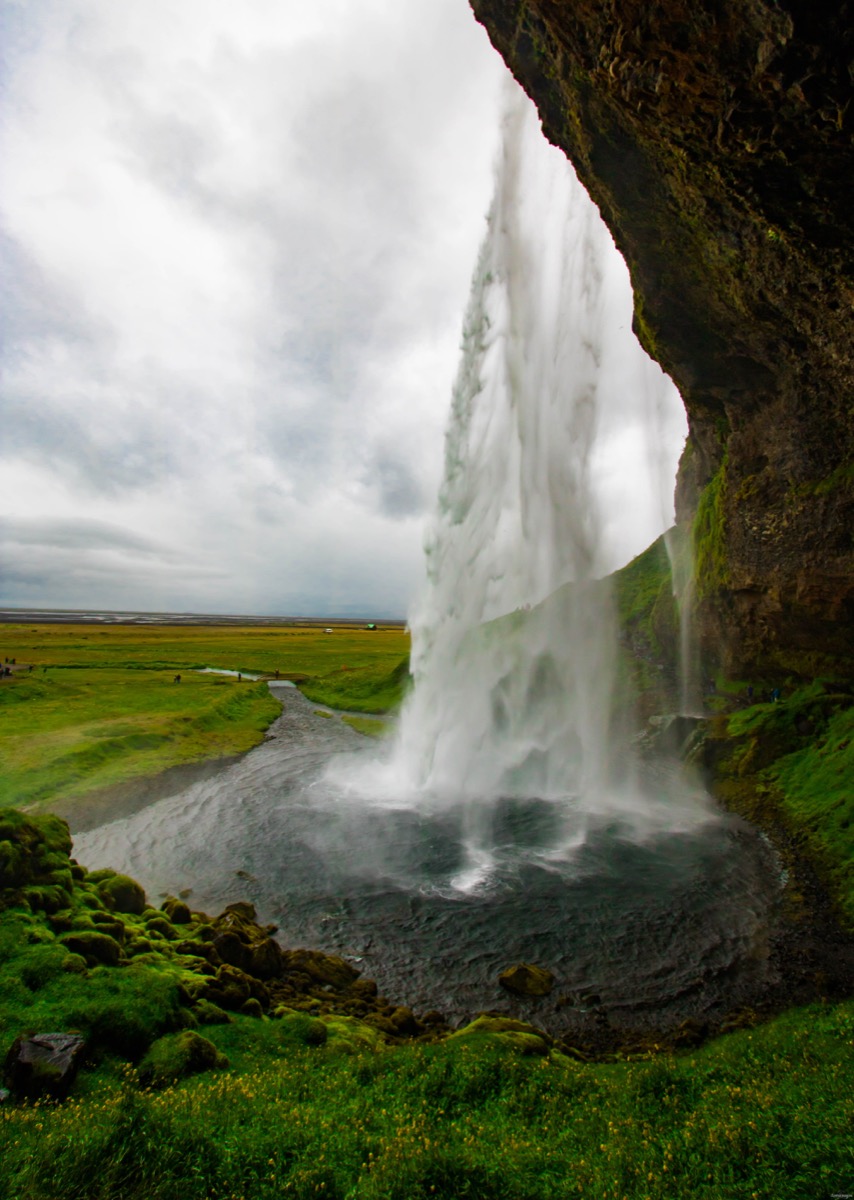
{"points": [[715, 137]]}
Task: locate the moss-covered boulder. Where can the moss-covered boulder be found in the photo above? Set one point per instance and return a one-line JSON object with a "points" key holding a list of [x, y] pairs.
{"points": [[178, 1055], [527, 979], [177, 911], [34, 861], [325, 969], [300, 1027], [122, 894], [504, 1031], [93, 946]]}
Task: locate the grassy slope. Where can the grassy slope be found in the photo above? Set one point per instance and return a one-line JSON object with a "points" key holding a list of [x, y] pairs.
{"points": [[798, 754], [106, 709], [762, 1113]]}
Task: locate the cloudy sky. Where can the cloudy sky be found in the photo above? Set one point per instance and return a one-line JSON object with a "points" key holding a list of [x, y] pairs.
{"points": [[237, 241]]}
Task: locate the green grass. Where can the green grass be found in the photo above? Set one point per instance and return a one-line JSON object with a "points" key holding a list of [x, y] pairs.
{"points": [[803, 749], [368, 686], [368, 726], [765, 1113], [73, 731], [100, 706]]}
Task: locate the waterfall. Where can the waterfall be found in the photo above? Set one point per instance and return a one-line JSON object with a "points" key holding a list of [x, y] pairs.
{"points": [[520, 704], [514, 640], [679, 551]]}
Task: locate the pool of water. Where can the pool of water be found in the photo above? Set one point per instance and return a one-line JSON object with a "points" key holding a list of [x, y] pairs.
{"points": [[639, 932]]}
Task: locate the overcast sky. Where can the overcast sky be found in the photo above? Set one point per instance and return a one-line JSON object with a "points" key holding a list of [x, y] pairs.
{"points": [[237, 241]]}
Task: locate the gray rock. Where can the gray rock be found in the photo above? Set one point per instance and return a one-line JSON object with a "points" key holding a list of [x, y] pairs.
{"points": [[43, 1064]]}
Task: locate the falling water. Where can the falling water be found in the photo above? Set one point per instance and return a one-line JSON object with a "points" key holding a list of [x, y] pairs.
{"points": [[679, 551], [514, 641]]}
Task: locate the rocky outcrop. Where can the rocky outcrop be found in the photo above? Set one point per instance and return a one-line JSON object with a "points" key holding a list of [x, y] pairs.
{"points": [[716, 141]]}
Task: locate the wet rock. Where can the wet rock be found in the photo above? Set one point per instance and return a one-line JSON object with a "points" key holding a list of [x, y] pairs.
{"points": [[526, 979], [44, 1064]]}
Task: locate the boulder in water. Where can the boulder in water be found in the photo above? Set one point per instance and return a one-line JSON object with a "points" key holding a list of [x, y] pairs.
{"points": [[526, 979]]}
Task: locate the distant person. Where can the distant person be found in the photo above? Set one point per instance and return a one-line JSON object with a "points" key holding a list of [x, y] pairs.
{"points": [[775, 695], [239, 677], [177, 679]]}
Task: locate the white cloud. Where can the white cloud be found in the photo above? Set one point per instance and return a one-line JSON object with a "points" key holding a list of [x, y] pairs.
{"points": [[240, 238]]}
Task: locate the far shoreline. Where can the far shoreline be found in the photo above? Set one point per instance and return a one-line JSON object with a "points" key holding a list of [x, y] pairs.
{"points": [[85, 616]]}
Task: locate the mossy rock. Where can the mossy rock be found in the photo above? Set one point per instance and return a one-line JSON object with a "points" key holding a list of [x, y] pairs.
{"points": [[326, 969], [266, 960], [137, 946], [177, 911], [31, 847], [93, 946], [159, 924], [123, 894], [504, 1031], [100, 875], [47, 898], [349, 1035], [177, 1056], [300, 1027], [43, 964], [527, 979], [207, 1013]]}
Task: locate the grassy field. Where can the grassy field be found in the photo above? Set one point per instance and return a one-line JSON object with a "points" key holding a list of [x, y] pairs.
{"points": [[760, 1115], [100, 705]]}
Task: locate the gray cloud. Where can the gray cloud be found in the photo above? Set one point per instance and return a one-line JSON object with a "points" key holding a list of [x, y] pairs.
{"points": [[237, 247], [71, 534]]}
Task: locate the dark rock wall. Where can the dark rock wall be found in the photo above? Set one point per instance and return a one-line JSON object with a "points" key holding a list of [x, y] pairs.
{"points": [[715, 137]]}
